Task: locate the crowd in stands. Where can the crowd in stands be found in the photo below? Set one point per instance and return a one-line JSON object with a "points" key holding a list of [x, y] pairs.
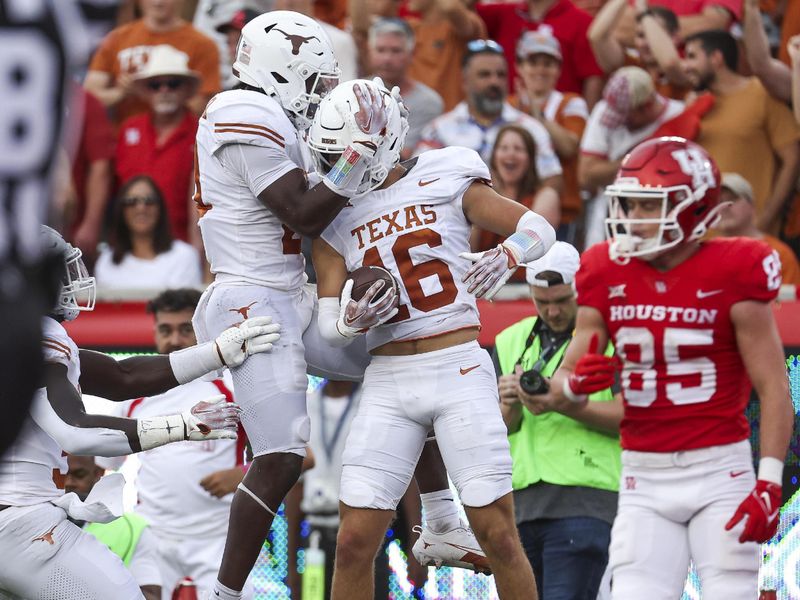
{"points": [[551, 93]]}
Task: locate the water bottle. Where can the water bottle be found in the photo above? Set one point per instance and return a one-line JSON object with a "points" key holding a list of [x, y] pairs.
{"points": [[314, 573]]}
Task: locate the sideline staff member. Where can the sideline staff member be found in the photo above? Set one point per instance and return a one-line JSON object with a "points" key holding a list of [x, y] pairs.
{"points": [[566, 459]]}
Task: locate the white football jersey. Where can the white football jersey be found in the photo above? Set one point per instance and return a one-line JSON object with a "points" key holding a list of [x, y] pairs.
{"points": [[243, 239], [416, 229], [27, 468], [168, 483]]}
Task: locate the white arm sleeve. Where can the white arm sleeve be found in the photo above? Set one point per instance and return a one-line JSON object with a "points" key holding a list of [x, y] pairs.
{"points": [[95, 441], [327, 318], [144, 562]]}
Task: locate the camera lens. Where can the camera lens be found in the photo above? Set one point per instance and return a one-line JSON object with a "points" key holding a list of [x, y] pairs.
{"points": [[532, 382]]}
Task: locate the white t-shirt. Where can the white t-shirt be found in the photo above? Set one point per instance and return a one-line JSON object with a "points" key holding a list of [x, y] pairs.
{"points": [[175, 268]]}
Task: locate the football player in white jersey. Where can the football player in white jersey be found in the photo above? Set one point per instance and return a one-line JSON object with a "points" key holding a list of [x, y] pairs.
{"points": [[53, 558], [427, 371], [255, 200]]}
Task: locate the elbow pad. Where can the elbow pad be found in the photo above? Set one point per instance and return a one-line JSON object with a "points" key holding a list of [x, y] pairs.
{"points": [[532, 239], [327, 318], [86, 441]]}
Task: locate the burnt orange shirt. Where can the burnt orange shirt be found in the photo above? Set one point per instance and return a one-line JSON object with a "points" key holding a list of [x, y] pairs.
{"points": [[126, 48], [789, 27], [438, 53]]}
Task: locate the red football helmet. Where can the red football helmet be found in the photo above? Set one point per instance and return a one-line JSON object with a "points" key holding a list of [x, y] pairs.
{"points": [[685, 178]]}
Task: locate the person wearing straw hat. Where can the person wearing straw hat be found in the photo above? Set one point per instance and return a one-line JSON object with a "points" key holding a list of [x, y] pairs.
{"points": [[159, 142], [565, 462]]}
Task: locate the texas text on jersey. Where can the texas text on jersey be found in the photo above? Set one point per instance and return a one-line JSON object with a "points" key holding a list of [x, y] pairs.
{"points": [[416, 228], [684, 383]]}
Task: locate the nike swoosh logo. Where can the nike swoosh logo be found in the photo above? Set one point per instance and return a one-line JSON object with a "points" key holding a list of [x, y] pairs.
{"points": [[771, 514], [701, 294], [737, 473], [464, 371], [424, 183]]}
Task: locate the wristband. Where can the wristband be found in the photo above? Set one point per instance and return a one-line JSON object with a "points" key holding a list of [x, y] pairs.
{"points": [[572, 396], [771, 469], [193, 362], [157, 431]]}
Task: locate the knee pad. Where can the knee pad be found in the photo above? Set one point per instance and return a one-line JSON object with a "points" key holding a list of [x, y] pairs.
{"points": [[484, 489]]}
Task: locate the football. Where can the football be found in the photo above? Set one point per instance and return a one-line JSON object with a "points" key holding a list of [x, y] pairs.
{"points": [[364, 277]]}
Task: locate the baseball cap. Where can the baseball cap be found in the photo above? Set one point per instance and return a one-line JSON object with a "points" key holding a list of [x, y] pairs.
{"points": [[738, 185], [628, 88], [239, 19], [538, 42], [562, 258]]}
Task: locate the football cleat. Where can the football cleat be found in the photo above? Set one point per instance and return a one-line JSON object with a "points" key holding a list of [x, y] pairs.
{"points": [[455, 548]]}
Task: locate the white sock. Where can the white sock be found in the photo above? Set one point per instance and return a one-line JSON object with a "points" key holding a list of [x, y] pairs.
{"points": [[440, 511], [225, 593]]}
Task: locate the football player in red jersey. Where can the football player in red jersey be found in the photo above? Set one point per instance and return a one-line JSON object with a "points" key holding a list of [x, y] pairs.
{"points": [[692, 324]]}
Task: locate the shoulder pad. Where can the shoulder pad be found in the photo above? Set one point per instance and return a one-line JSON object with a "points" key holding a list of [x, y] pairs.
{"points": [[57, 347], [449, 171], [246, 117]]}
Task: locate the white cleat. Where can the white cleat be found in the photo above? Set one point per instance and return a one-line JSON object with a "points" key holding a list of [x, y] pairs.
{"points": [[455, 548]]}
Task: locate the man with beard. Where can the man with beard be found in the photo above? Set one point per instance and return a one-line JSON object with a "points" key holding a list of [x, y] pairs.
{"points": [[474, 123], [745, 122]]}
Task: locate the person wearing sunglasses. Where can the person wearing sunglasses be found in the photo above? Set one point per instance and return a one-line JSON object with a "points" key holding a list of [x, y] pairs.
{"points": [[159, 142], [142, 255]]}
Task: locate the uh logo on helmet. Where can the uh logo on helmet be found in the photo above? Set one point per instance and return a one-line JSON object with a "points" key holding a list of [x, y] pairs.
{"points": [[678, 173], [77, 291], [290, 57]]}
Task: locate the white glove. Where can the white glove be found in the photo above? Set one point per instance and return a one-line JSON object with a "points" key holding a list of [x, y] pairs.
{"points": [[490, 271], [367, 129], [212, 419], [356, 317], [252, 336]]}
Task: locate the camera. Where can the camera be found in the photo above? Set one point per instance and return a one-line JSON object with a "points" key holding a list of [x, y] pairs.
{"points": [[533, 382]]}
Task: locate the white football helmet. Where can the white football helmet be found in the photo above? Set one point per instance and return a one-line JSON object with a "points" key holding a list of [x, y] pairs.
{"points": [[330, 132], [290, 57], [78, 289]]}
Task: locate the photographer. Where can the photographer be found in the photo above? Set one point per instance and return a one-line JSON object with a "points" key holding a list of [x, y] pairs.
{"points": [[566, 459]]}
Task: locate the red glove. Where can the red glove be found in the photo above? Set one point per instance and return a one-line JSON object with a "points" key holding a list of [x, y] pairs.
{"points": [[762, 508], [593, 372]]}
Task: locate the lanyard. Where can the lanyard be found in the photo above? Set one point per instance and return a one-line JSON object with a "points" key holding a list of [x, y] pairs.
{"points": [[330, 446], [555, 342]]}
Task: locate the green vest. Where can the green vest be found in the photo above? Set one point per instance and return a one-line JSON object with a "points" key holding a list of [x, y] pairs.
{"points": [[120, 535], [552, 447]]}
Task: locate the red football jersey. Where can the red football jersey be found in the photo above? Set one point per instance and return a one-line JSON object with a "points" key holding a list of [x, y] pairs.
{"points": [[684, 384]]}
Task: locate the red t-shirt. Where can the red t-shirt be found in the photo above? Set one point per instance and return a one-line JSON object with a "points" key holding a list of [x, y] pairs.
{"points": [[567, 23], [94, 142], [682, 8], [684, 384], [171, 165]]}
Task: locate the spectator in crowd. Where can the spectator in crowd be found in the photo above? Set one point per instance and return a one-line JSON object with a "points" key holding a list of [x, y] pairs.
{"points": [[142, 255], [655, 45], [631, 111], [565, 459], [160, 142], [693, 15], [563, 114], [231, 29], [391, 47], [738, 220], [790, 26], [344, 46], [185, 492], [744, 122], [442, 29], [513, 168], [475, 122], [794, 53], [580, 73], [129, 536], [91, 150], [126, 49], [774, 75]]}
